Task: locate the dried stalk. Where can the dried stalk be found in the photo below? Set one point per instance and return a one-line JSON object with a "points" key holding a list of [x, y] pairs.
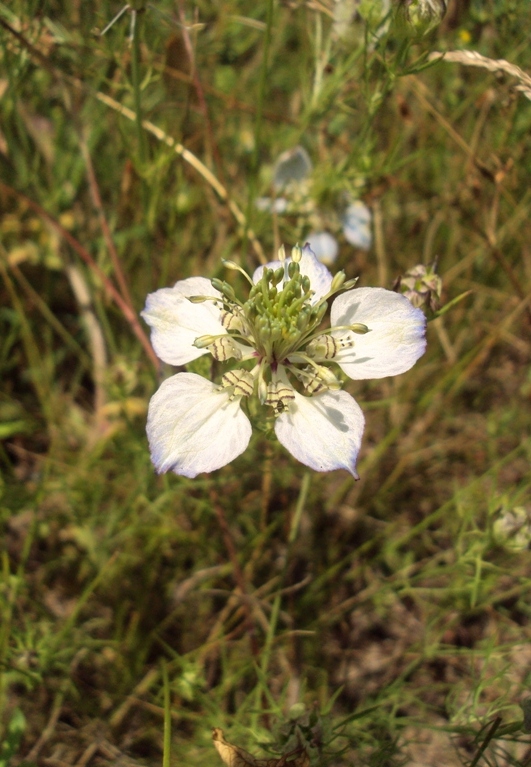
{"points": [[474, 59]]}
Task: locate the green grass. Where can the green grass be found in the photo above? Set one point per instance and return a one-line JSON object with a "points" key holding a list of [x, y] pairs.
{"points": [[387, 619]]}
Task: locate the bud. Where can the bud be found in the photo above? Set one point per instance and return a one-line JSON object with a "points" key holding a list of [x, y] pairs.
{"points": [[512, 528], [231, 265], [338, 280], [296, 253], [418, 17], [224, 288], [203, 341], [422, 286], [349, 284]]}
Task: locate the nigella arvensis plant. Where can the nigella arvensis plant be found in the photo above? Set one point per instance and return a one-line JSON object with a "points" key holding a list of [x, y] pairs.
{"points": [[279, 355]]}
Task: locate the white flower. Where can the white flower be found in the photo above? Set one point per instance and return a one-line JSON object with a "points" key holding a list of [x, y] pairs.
{"points": [[280, 355], [292, 179], [324, 245], [356, 222]]}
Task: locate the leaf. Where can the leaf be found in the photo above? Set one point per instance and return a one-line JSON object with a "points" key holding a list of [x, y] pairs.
{"points": [[12, 737], [234, 756], [451, 304]]}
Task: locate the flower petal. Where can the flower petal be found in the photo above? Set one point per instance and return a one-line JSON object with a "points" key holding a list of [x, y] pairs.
{"points": [[324, 245], [176, 322], [269, 205], [397, 332], [293, 165], [193, 426], [356, 222], [320, 277], [323, 432]]}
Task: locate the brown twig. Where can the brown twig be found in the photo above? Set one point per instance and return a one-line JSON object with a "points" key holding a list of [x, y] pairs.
{"points": [[203, 106], [49, 729], [96, 199]]}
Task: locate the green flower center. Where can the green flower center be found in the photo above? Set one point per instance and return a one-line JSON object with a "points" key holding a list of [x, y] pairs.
{"points": [[279, 325], [279, 313]]}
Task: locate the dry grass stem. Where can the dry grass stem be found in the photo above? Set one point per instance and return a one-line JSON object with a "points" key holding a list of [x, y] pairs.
{"points": [[474, 59]]}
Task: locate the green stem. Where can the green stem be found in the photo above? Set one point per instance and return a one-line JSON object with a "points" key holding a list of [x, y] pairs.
{"points": [[275, 611], [166, 753], [258, 121], [135, 76]]}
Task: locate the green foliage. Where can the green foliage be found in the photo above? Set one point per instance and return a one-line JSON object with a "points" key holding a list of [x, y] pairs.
{"points": [[382, 622]]}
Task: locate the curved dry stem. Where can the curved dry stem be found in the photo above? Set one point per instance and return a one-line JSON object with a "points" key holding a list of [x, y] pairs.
{"points": [[475, 59], [192, 160]]}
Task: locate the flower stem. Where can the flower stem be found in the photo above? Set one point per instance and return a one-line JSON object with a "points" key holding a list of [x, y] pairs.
{"points": [[275, 611]]}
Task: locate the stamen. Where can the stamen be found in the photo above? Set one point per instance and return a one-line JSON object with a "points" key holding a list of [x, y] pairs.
{"points": [[220, 347], [241, 381], [226, 290], [201, 299], [224, 348], [231, 321], [324, 347], [236, 268], [317, 379], [278, 396], [296, 253]]}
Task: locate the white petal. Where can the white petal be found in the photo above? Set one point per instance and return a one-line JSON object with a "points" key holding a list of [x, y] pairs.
{"points": [[294, 165], [356, 222], [323, 432], [320, 277], [268, 205], [397, 332], [193, 426], [324, 245], [176, 322]]}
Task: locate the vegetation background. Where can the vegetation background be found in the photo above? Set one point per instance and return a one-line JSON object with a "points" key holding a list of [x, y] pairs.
{"points": [[382, 622]]}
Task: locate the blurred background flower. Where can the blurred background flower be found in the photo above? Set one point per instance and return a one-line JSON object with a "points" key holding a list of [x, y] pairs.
{"points": [[353, 18], [292, 182], [422, 286], [418, 17]]}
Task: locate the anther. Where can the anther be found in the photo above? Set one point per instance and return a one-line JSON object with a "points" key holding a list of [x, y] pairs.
{"points": [[241, 381]]}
